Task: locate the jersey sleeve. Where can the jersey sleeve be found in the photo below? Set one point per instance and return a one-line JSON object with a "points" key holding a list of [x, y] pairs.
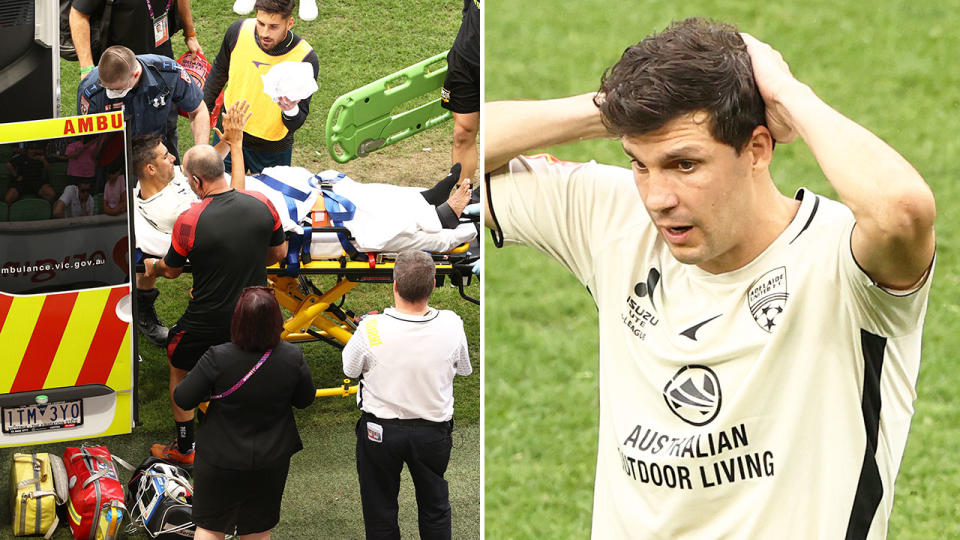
{"points": [[884, 311], [87, 7], [565, 209], [357, 351], [183, 236], [461, 355]]}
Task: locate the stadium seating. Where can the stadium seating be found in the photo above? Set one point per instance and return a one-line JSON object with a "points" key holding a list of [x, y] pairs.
{"points": [[29, 210], [58, 177]]}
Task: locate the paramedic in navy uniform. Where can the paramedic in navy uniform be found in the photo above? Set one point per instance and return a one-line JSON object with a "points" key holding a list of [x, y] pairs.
{"points": [[148, 86], [407, 358], [727, 308]]}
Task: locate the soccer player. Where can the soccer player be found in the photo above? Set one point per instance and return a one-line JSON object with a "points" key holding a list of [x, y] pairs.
{"points": [[758, 352]]}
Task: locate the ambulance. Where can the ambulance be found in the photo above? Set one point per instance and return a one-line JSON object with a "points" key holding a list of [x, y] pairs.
{"points": [[67, 342]]}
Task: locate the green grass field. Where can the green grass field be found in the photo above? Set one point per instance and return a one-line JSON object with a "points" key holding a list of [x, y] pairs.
{"points": [[357, 41], [887, 65]]}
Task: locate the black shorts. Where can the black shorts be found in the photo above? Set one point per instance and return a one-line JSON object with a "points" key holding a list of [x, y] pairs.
{"points": [[227, 498], [461, 88], [184, 348]]}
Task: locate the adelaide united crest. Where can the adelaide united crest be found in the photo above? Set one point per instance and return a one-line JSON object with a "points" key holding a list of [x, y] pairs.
{"points": [[767, 298]]}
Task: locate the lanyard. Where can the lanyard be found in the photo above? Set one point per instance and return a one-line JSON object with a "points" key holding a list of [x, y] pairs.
{"points": [[245, 377], [150, 8]]}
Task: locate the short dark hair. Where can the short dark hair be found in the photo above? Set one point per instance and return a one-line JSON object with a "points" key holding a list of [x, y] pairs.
{"points": [[143, 150], [117, 64], [693, 65], [415, 275], [257, 323], [283, 7]]}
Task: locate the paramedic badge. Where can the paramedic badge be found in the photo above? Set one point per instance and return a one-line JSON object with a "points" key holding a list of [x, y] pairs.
{"points": [[767, 298]]}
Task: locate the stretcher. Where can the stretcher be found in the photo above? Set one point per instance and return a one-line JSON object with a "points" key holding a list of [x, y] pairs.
{"points": [[366, 119], [328, 247]]}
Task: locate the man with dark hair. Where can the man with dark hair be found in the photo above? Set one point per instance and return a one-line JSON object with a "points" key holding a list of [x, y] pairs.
{"points": [[406, 359], [461, 89], [230, 237], [250, 48], [758, 352], [148, 87]]}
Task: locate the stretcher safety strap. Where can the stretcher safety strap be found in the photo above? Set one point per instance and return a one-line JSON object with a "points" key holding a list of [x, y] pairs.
{"points": [[299, 244], [340, 209]]}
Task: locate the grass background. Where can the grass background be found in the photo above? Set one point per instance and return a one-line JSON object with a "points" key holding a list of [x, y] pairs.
{"points": [[888, 65], [357, 41]]}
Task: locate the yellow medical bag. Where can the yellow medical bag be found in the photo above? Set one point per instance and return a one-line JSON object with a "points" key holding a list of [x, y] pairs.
{"points": [[39, 485]]}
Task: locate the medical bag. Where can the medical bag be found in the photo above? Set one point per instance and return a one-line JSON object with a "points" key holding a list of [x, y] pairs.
{"points": [[96, 504], [160, 496], [39, 485]]}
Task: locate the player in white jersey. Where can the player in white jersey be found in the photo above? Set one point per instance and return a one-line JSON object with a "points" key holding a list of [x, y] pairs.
{"points": [[161, 195], [758, 352]]}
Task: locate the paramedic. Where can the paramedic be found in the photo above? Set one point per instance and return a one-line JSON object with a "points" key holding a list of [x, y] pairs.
{"points": [[149, 87], [406, 358]]}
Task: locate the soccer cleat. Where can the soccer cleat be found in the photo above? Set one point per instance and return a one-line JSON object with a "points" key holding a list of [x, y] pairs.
{"points": [[147, 320], [171, 453]]}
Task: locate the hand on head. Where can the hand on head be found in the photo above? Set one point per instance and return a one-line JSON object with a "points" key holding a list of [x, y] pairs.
{"points": [[773, 80]]}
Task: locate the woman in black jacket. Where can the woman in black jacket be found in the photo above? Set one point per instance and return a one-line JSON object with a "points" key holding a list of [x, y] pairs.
{"points": [[245, 444]]}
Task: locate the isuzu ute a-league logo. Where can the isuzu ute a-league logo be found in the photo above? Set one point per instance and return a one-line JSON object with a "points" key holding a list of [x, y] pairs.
{"points": [[693, 394], [767, 298]]}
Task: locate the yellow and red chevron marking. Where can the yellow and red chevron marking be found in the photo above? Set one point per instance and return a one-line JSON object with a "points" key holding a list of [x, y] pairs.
{"points": [[64, 339]]}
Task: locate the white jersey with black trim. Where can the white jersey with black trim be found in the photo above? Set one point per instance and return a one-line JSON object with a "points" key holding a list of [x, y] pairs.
{"points": [[772, 401], [162, 209]]}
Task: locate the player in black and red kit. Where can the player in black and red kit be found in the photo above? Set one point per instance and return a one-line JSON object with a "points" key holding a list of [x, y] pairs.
{"points": [[230, 237]]}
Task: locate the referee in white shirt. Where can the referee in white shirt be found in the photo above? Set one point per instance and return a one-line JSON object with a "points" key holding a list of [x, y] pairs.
{"points": [[406, 359]]}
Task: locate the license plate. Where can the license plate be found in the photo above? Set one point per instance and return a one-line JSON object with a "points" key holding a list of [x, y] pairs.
{"points": [[55, 415]]}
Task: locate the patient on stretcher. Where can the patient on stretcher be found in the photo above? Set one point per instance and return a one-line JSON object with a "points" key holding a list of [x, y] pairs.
{"points": [[427, 219]]}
